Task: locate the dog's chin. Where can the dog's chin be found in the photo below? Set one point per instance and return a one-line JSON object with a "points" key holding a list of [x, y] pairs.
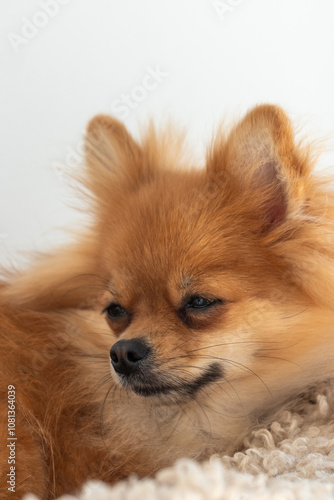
{"points": [[148, 386]]}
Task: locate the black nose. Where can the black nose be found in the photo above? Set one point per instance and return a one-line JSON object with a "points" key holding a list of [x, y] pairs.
{"points": [[127, 355]]}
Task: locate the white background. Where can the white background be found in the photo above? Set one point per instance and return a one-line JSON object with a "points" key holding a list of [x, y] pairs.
{"points": [[83, 57]]}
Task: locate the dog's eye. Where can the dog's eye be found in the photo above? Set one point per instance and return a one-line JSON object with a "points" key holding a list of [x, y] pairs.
{"points": [[197, 302], [197, 310], [115, 311]]}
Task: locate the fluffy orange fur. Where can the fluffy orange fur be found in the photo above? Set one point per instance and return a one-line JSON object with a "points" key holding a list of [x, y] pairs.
{"points": [[226, 273]]}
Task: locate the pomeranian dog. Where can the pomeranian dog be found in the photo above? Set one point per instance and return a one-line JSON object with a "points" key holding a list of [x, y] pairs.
{"points": [[215, 287]]}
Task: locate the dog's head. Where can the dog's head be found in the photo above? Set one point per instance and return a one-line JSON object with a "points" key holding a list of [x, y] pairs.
{"points": [[211, 276]]}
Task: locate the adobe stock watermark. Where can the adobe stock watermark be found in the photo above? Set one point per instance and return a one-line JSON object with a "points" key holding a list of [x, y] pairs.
{"points": [[226, 7], [126, 102], [55, 343], [31, 27], [75, 155], [11, 439]]}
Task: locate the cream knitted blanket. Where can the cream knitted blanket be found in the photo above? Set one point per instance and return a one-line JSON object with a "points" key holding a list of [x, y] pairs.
{"points": [[293, 458]]}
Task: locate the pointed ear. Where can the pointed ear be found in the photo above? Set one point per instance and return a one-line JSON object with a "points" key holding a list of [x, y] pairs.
{"points": [[260, 157], [111, 153]]}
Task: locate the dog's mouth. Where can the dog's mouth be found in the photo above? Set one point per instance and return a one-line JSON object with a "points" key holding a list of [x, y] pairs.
{"points": [[147, 385]]}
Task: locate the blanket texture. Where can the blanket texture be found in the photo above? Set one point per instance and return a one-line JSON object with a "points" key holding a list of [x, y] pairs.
{"points": [[292, 458]]}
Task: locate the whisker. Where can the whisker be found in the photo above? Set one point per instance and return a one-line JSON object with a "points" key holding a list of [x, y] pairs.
{"points": [[244, 367], [236, 343], [281, 359], [112, 386], [296, 314], [87, 355], [279, 348], [204, 413]]}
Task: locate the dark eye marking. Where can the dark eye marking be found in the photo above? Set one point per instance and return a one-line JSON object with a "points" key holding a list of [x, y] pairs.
{"points": [[115, 311]]}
